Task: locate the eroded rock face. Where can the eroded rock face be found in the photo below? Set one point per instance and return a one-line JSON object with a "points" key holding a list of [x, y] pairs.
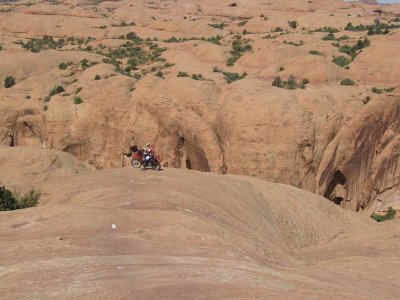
{"points": [[323, 138], [362, 162]]}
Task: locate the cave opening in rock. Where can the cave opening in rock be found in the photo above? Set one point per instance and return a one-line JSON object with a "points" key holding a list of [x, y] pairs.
{"points": [[336, 190], [188, 164]]}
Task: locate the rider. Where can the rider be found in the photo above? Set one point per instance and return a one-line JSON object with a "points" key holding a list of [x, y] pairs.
{"points": [[148, 154]]}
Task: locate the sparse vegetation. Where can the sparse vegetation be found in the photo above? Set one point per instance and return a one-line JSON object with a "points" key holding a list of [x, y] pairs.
{"points": [[239, 47], [329, 37], [232, 77], [353, 50], [341, 60], [219, 26], [242, 23], [375, 29], [325, 29], [63, 66], [97, 77], [293, 24], [182, 74], [57, 90], [382, 90], [347, 82], [214, 39], [9, 82], [301, 43], [391, 214], [366, 100], [291, 83], [316, 52], [78, 100], [11, 201], [197, 77], [160, 74]]}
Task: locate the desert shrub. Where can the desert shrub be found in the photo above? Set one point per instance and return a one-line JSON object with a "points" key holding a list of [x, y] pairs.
{"points": [[239, 47], [219, 26], [382, 90], [198, 77], [160, 74], [293, 24], [277, 29], [30, 199], [7, 200], [242, 23], [316, 52], [63, 66], [366, 100], [9, 82], [231, 77], [56, 90], [78, 90], [97, 77], [325, 29], [391, 214], [347, 82], [301, 43], [281, 69], [341, 60], [28, 97], [11, 201], [376, 90], [329, 37], [277, 82], [78, 100], [84, 63], [376, 28], [217, 70], [1, 47], [182, 74], [353, 50], [290, 84]]}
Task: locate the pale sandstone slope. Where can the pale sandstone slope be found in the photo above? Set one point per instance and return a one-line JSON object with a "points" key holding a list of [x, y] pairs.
{"points": [[185, 234]]}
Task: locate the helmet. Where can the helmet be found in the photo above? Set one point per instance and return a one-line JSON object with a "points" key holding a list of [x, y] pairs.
{"points": [[148, 145]]}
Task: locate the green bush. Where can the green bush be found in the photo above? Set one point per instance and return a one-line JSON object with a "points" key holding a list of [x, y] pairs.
{"points": [[9, 82], [7, 200], [182, 74], [78, 100], [57, 90], [97, 77], [329, 37], [63, 66], [231, 77], [316, 52], [347, 82], [10, 201], [290, 84], [391, 214], [160, 74], [341, 60], [219, 26]]}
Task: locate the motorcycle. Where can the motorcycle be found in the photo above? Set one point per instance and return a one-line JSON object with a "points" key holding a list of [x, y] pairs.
{"points": [[138, 161]]}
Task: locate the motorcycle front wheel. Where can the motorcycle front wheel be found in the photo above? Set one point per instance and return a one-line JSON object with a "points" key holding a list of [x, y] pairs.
{"points": [[136, 163], [156, 166]]}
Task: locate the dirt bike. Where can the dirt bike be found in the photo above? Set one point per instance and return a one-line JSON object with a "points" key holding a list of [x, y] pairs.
{"points": [[138, 161]]}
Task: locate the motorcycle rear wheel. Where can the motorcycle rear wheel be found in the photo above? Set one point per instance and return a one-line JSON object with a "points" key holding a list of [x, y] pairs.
{"points": [[136, 163]]}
